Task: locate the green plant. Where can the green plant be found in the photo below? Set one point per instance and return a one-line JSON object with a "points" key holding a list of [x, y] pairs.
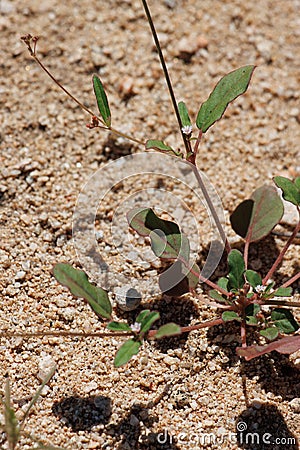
{"points": [[12, 427], [242, 294]]}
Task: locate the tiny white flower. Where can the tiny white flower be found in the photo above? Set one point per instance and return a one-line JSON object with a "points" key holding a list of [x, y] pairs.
{"points": [[260, 288], [187, 129], [136, 327]]}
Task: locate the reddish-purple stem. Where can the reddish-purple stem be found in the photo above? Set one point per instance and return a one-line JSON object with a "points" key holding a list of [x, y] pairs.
{"points": [[281, 255]]}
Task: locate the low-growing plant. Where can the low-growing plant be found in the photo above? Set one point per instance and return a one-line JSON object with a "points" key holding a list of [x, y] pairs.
{"points": [[14, 428], [243, 295]]}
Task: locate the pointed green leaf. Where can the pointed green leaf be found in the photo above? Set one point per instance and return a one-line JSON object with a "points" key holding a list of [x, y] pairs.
{"points": [[290, 191], [283, 292], [102, 100], [169, 329], [142, 315], [297, 183], [236, 267], [118, 326], [184, 115], [253, 278], [126, 352], [228, 316], [77, 282], [228, 88], [257, 221], [160, 146], [270, 333], [148, 321], [284, 320], [213, 293]]}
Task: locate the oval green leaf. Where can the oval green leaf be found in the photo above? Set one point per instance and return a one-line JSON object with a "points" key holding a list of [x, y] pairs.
{"points": [[102, 101], [228, 89], [270, 333], [236, 267], [118, 326], [184, 115], [253, 278], [284, 320], [169, 329], [255, 219], [290, 191], [126, 352], [148, 321], [228, 316], [77, 282]]}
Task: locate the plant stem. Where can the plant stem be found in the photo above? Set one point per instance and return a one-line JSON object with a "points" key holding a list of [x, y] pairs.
{"points": [[281, 303], [291, 281], [243, 333], [186, 142], [207, 324], [282, 253], [246, 252], [211, 208], [79, 103]]}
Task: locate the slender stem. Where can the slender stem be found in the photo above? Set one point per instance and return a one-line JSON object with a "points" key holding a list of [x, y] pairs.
{"points": [[282, 253], [243, 333], [186, 142], [246, 252], [12, 334], [211, 208], [196, 147], [79, 103], [207, 324], [281, 303], [291, 281]]}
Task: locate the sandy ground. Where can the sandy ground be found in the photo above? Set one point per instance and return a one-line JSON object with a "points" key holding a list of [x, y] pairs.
{"points": [[182, 389]]}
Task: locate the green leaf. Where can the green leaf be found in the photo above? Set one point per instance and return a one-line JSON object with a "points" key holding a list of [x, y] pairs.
{"points": [[236, 267], [169, 329], [148, 321], [228, 316], [184, 115], [297, 183], [118, 326], [290, 191], [77, 282], [223, 283], [213, 293], [126, 352], [253, 278], [228, 88], [167, 242], [283, 292], [160, 146], [251, 311], [142, 315], [102, 100], [284, 320], [253, 221], [270, 333]]}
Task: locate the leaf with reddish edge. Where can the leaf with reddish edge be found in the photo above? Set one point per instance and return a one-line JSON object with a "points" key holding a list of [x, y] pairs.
{"points": [[287, 345], [169, 329], [255, 218]]}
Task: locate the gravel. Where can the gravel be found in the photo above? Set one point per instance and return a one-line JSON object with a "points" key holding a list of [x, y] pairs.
{"points": [[177, 390]]}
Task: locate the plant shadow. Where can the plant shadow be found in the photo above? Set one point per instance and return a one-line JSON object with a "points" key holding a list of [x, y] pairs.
{"points": [[115, 147], [83, 413], [262, 426]]}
